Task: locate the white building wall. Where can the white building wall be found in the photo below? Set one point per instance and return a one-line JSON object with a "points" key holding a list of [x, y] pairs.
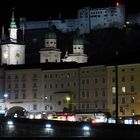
{"points": [[78, 49], [50, 56], [24, 89], [58, 84], [13, 54], [50, 43]]}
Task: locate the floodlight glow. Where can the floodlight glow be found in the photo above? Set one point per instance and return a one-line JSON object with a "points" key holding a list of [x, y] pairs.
{"points": [[48, 125], [10, 123], [86, 128]]}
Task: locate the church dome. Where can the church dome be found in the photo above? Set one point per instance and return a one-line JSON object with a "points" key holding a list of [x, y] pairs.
{"points": [[50, 35], [78, 41]]}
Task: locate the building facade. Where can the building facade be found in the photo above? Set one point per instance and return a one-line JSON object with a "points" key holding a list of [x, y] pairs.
{"points": [[50, 53], [12, 52], [87, 19], [78, 52], [128, 89]]}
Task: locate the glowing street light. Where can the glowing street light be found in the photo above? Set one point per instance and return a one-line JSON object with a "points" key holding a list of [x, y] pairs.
{"points": [[68, 98], [5, 95]]}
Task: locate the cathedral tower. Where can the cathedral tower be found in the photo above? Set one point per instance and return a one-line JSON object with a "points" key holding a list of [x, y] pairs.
{"points": [[12, 52], [50, 53]]}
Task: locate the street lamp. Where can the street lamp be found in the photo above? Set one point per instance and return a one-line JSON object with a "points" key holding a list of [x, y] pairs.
{"points": [[5, 99], [5, 95], [68, 102]]}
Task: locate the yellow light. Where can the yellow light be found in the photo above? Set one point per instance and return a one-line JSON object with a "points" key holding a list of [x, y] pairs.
{"points": [[5, 55], [68, 98]]}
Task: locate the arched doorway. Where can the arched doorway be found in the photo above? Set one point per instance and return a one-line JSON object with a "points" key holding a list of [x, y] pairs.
{"points": [[17, 111]]}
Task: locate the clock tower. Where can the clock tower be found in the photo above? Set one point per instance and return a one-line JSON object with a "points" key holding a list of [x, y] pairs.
{"points": [[12, 52]]}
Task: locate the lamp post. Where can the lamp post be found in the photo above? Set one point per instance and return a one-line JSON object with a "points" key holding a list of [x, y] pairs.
{"points": [[116, 85], [68, 102], [5, 100]]}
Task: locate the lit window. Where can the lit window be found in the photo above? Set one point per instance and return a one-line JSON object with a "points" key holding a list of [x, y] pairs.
{"points": [[123, 89], [132, 99], [113, 89]]}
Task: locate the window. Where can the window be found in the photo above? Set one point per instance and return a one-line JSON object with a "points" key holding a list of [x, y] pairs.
{"points": [[103, 105], [46, 107], [16, 85], [34, 76], [74, 84], [123, 90], [51, 108], [132, 100], [132, 69], [83, 82], [23, 96], [68, 84], [87, 106], [23, 85], [9, 85], [132, 89], [103, 93], [50, 85], [113, 79], [9, 77], [96, 93], [34, 107], [113, 101], [34, 85], [62, 85], [16, 96], [34, 95], [103, 80], [50, 98], [132, 78], [96, 81], [16, 77], [83, 106], [83, 94], [133, 112], [113, 89], [87, 94], [68, 75], [96, 105], [87, 81], [123, 100], [55, 85], [23, 77], [123, 79], [59, 102]]}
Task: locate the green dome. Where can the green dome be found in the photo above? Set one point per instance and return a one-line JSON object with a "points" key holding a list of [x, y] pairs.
{"points": [[50, 35], [78, 41]]}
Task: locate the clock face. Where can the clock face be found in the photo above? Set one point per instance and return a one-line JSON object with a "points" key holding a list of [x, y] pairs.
{"points": [[18, 54]]}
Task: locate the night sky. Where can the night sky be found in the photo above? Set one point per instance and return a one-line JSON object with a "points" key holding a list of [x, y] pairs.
{"points": [[43, 9]]}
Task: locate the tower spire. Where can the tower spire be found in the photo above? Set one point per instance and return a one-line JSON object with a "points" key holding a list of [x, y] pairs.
{"points": [[2, 34], [13, 28]]}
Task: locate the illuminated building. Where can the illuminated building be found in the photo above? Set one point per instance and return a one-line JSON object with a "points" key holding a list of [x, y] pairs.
{"points": [[12, 52], [50, 53], [56, 88], [78, 52], [128, 89], [87, 19]]}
